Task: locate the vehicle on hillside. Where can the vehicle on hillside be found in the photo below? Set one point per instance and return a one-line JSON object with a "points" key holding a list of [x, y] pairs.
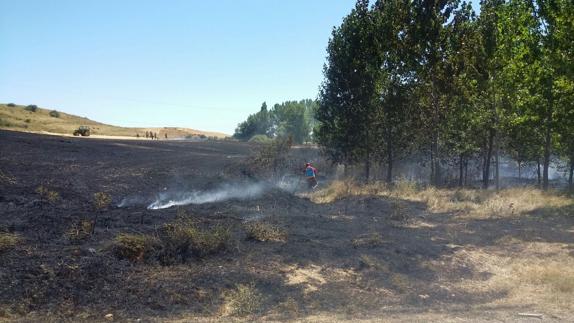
{"points": [[83, 131]]}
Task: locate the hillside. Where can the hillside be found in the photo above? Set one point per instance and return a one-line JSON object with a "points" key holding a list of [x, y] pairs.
{"points": [[19, 119]]}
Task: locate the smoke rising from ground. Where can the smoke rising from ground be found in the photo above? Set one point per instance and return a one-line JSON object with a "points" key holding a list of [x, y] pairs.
{"points": [[240, 191]]}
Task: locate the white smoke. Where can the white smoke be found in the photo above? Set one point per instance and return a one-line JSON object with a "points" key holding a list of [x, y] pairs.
{"points": [[225, 192]]}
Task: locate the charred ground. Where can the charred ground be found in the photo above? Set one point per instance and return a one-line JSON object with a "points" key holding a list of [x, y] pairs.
{"points": [[355, 256]]}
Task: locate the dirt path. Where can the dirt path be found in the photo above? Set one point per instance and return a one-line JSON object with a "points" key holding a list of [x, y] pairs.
{"points": [[367, 258]]}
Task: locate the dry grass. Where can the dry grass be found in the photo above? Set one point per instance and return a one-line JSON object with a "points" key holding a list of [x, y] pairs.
{"points": [[263, 231], [370, 240], [466, 202], [47, 195], [102, 200], [18, 118], [7, 178], [80, 231], [243, 300], [134, 247], [8, 241]]}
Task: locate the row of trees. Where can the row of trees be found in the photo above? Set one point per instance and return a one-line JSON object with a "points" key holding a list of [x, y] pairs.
{"points": [[293, 119], [433, 78]]}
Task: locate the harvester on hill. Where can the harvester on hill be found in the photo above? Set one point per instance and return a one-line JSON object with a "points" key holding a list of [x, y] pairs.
{"points": [[83, 131]]}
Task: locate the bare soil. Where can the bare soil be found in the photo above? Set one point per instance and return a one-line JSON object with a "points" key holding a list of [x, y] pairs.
{"points": [[367, 258]]}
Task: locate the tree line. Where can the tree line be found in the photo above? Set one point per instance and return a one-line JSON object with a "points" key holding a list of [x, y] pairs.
{"points": [[433, 78], [290, 119]]}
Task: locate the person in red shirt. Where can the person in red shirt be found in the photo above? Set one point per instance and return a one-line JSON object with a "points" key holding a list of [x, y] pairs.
{"points": [[311, 175]]}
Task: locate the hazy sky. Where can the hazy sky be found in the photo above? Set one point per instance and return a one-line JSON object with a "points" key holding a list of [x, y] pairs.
{"points": [[189, 63]]}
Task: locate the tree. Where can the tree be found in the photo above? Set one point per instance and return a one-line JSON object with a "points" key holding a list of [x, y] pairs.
{"points": [[348, 96], [256, 124]]}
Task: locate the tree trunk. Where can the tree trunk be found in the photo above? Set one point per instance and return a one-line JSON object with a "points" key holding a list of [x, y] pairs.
{"points": [[538, 172], [431, 166], [466, 172], [497, 169], [367, 169], [436, 134], [570, 183], [487, 158], [548, 136], [389, 178], [461, 170], [519, 171], [547, 144]]}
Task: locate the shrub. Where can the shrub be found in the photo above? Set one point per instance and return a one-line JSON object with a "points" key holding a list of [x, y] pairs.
{"points": [[260, 139], [8, 241], [80, 231], [4, 123], [102, 200], [133, 247], [11, 105], [31, 108], [27, 120], [54, 114], [262, 231], [183, 239], [242, 300], [175, 243], [47, 195]]}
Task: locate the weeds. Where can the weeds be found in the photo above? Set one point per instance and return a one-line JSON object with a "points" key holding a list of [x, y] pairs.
{"points": [[102, 201], [370, 240], [133, 247], [47, 195], [262, 231], [243, 300], [80, 231], [175, 243], [8, 241], [7, 179]]}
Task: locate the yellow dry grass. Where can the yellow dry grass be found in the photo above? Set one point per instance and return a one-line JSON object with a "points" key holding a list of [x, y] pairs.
{"points": [[528, 279], [19, 119], [471, 203]]}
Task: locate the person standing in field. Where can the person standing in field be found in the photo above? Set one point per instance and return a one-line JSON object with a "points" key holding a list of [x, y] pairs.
{"points": [[311, 175]]}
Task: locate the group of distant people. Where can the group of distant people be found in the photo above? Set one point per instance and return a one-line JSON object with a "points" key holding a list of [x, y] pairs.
{"points": [[151, 135]]}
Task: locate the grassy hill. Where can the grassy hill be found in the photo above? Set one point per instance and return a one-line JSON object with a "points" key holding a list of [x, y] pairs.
{"points": [[20, 118]]}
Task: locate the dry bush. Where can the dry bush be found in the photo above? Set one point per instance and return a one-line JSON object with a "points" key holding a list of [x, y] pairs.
{"points": [[8, 241], [47, 195], [102, 200], [370, 240], [263, 231], [80, 231], [243, 300], [182, 239], [399, 211], [134, 247], [7, 179]]}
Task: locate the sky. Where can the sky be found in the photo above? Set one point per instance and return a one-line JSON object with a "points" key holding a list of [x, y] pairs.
{"points": [[177, 63]]}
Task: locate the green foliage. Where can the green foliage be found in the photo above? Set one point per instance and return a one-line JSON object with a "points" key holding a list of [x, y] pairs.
{"points": [[11, 105], [294, 119], [31, 108], [435, 78], [260, 139], [54, 114]]}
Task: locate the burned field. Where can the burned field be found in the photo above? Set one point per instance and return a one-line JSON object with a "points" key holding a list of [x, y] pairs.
{"points": [[78, 242]]}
